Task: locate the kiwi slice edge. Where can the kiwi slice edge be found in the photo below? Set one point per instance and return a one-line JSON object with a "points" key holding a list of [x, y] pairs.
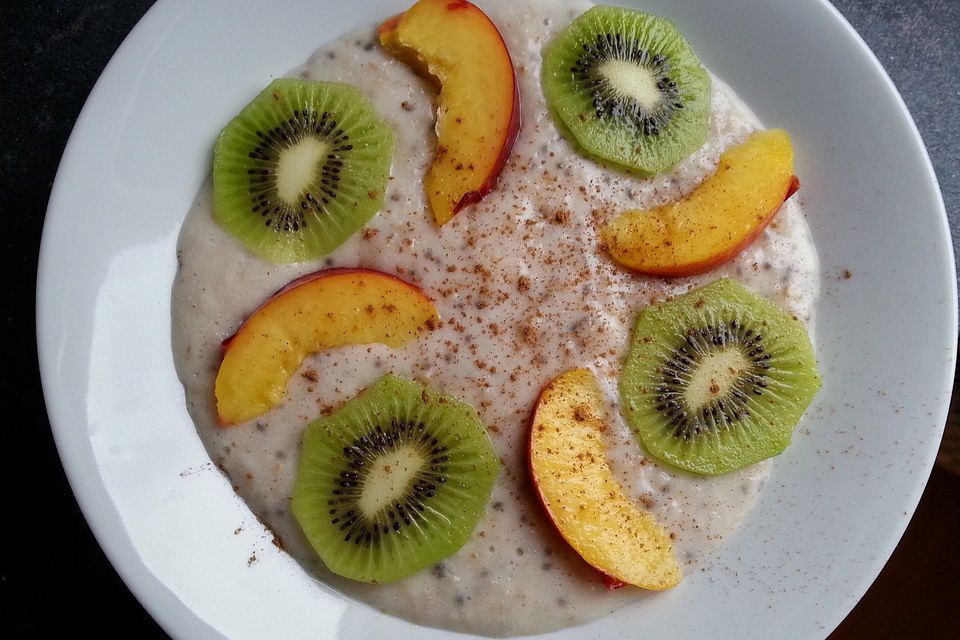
{"points": [[419, 459], [301, 168], [599, 77], [717, 379]]}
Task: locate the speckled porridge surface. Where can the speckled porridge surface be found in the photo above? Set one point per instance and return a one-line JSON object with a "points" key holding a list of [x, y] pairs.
{"points": [[524, 293]]}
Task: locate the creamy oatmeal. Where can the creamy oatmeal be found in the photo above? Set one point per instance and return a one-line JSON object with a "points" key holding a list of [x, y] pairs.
{"points": [[525, 294]]}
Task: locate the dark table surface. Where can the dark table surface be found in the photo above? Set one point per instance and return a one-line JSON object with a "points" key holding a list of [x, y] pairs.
{"points": [[54, 578]]}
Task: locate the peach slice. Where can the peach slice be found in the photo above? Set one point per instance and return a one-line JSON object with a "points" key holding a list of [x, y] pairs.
{"points": [[718, 220], [325, 309], [455, 45], [577, 488]]}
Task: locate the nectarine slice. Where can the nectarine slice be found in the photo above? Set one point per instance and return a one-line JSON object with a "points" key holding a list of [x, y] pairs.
{"points": [[580, 494], [325, 309], [455, 44], [717, 220]]}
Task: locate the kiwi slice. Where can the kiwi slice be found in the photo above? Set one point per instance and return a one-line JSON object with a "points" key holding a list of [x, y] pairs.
{"points": [[628, 88], [301, 168], [393, 481], [717, 379]]}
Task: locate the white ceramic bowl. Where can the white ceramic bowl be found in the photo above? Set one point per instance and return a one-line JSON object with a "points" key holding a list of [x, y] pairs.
{"points": [[838, 500]]}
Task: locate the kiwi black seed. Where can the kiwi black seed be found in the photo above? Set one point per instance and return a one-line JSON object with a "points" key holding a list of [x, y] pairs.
{"points": [[628, 88], [717, 379], [301, 168], [394, 481]]}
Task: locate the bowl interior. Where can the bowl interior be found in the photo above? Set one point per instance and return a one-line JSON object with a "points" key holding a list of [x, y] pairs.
{"points": [[838, 500]]}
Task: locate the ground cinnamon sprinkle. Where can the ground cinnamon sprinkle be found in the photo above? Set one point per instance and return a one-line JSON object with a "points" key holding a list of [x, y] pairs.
{"points": [[529, 334], [500, 339]]}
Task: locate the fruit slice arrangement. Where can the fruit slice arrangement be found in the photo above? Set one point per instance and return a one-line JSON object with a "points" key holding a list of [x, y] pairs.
{"points": [[717, 379], [399, 476], [456, 45], [717, 220], [577, 488], [628, 88], [394, 481], [301, 168], [322, 310]]}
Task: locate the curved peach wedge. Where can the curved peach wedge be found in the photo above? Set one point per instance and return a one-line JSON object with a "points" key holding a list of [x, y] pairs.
{"points": [[325, 309], [577, 488], [716, 221], [455, 45]]}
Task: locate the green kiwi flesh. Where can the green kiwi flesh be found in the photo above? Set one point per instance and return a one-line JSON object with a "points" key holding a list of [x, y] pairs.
{"points": [[301, 168], [393, 481], [628, 88], [717, 379]]}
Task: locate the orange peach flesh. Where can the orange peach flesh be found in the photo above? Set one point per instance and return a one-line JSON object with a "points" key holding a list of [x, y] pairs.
{"points": [[576, 486], [327, 309], [715, 222], [456, 45]]}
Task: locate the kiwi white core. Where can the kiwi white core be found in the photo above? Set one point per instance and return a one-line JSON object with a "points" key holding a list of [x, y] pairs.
{"points": [[388, 479], [632, 80], [714, 377], [298, 166]]}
